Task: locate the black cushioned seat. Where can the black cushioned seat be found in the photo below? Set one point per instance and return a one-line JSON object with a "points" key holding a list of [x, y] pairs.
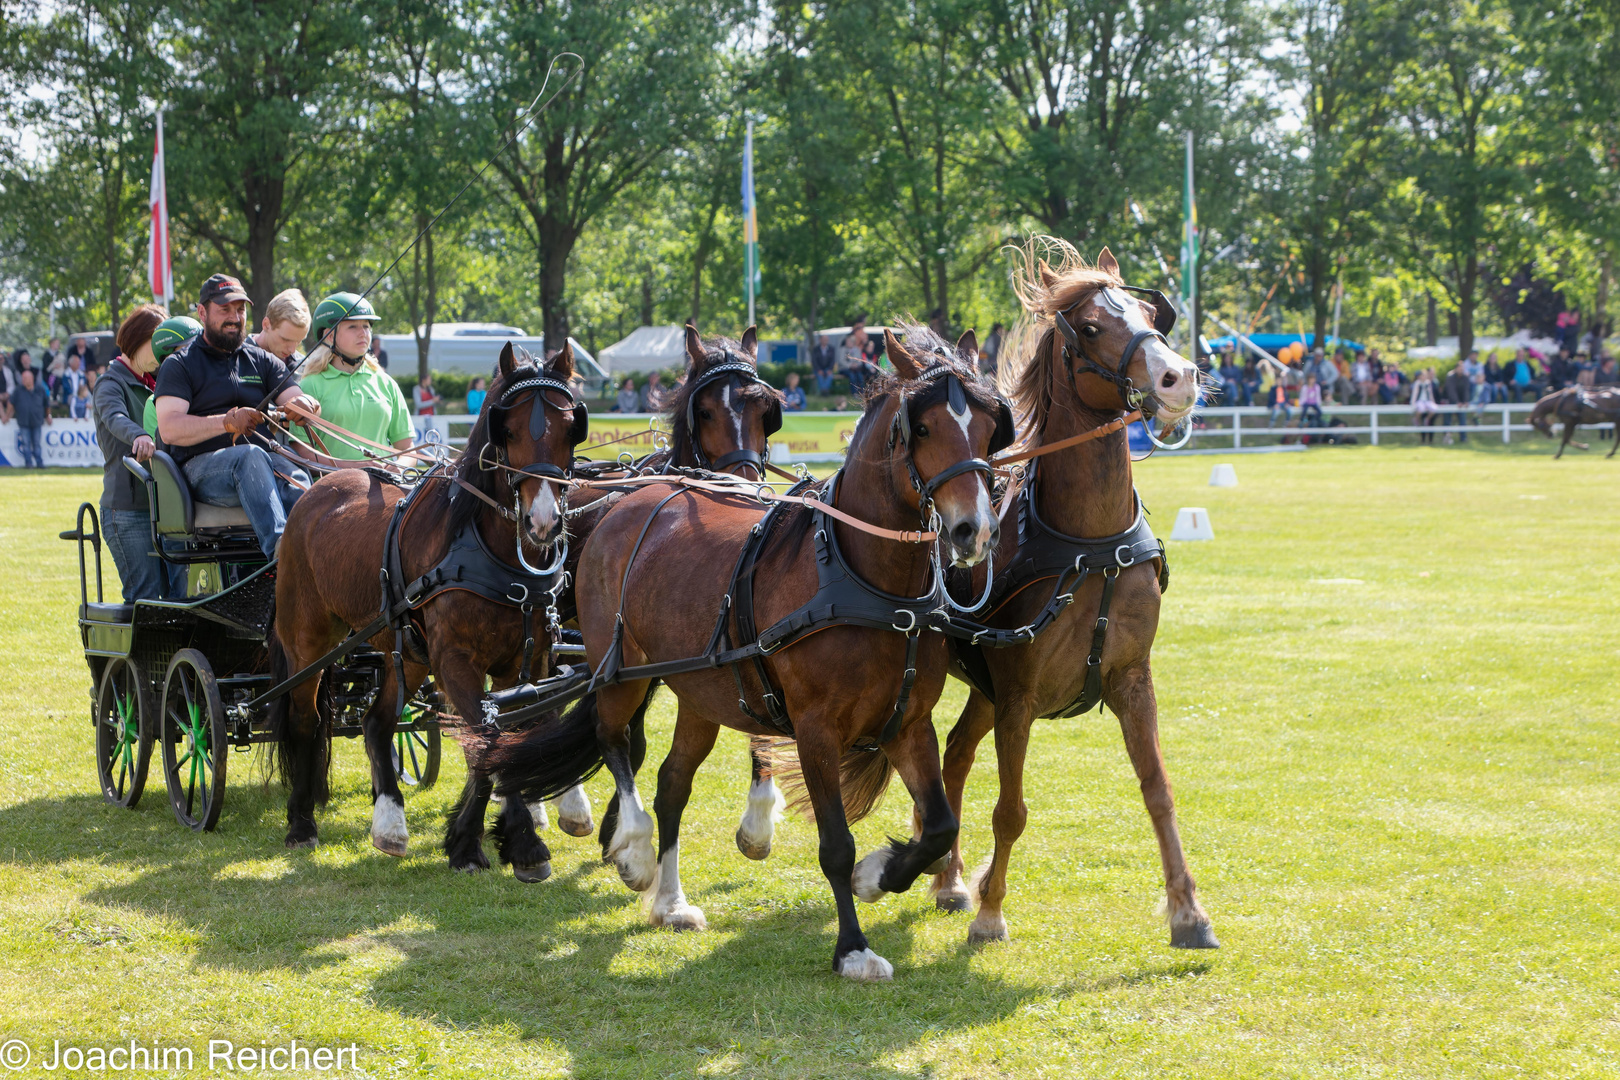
{"points": [[110, 613], [176, 513]]}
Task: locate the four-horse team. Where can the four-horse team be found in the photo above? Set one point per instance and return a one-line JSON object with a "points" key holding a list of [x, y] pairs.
{"points": [[990, 532]]}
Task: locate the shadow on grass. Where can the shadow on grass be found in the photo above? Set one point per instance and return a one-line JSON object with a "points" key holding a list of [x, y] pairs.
{"points": [[569, 961]]}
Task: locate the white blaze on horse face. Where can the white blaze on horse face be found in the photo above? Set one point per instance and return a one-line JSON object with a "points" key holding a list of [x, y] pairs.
{"points": [[735, 410], [984, 518], [1170, 375], [544, 513]]}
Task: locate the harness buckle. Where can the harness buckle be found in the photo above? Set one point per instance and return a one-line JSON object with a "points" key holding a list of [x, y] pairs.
{"points": [[911, 626], [1111, 571], [524, 599], [1127, 559]]}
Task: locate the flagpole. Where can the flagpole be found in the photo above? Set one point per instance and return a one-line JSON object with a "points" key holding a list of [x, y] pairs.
{"points": [[160, 270], [1189, 251], [750, 220]]}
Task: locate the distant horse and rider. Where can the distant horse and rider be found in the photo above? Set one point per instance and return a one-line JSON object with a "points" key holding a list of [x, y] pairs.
{"points": [[1572, 407]]}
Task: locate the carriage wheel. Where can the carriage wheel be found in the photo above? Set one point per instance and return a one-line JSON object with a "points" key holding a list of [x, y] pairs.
{"points": [[195, 747], [416, 754], [125, 718]]}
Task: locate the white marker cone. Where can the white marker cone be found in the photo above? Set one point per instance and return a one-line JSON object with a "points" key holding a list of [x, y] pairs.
{"points": [[1223, 476], [1192, 523]]}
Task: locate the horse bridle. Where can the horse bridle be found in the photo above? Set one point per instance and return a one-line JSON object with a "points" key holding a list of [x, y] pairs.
{"points": [[732, 365], [900, 432], [1164, 320], [539, 384]]}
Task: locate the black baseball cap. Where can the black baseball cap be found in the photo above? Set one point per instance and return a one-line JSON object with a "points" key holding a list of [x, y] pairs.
{"points": [[222, 289]]}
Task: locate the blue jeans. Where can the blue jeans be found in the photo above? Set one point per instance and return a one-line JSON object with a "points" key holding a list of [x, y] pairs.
{"points": [[824, 382], [128, 534], [28, 446], [857, 379], [247, 476]]}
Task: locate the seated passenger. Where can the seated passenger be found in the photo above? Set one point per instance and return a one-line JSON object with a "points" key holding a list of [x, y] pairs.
{"points": [[207, 397], [121, 395], [353, 390]]}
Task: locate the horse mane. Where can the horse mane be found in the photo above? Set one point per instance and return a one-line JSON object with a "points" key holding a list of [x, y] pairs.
{"points": [[1048, 276], [714, 352], [928, 348]]}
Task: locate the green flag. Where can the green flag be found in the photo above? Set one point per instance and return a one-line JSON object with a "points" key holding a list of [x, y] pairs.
{"points": [[1189, 239]]}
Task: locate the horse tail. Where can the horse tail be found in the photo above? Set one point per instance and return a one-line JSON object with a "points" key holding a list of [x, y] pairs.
{"points": [[280, 709], [547, 759], [863, 777]]}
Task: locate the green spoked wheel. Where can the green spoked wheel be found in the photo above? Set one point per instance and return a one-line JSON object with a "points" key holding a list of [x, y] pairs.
{"points": [[195, 748], [416, 753], [125, 718]]}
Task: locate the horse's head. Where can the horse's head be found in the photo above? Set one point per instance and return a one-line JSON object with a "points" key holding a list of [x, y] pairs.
{"points": [[533, 424], [945, 422], [722, 412], [1111, 338]]}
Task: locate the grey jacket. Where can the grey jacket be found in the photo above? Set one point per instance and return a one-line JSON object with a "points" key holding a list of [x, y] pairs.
{"points": [[120, 398]]}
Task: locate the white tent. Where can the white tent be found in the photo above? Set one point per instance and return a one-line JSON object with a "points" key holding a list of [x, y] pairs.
{"points": [[649, 348]]}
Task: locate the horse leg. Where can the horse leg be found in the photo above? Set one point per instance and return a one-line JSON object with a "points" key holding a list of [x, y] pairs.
{"points": [[978, 717], [819, 758], [1013, 720], [765, 802], [1615, 435], [304, 755], [574, 812], [892, 868], [463, 684], [627, 828], [517, 843], [388, 832], [1132, 699], [666, 902]]}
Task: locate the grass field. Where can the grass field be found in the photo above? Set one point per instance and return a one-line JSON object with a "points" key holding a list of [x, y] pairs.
{"points": [[1388, 698]]}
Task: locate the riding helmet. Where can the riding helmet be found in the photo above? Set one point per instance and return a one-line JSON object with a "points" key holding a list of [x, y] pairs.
{"points": [[340, 306], [173, 333]]}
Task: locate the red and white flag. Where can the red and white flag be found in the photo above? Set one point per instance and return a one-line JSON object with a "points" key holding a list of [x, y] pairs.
{"points": [[159, 272]]}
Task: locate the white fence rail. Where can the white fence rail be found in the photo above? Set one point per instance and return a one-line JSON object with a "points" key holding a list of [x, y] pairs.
{"points": [[1255, 421]]}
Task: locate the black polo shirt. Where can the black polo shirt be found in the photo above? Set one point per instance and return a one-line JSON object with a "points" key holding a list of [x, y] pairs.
{"points": [[216, 382]]}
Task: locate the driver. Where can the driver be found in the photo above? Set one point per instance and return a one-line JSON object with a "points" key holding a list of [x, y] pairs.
{"points": [[207, 396]]}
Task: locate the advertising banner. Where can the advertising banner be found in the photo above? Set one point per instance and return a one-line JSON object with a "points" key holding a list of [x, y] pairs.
{"points": [[62, 442]]}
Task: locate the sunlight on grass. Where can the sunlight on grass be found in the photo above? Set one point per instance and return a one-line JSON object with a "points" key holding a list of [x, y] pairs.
{"points": [[1387, 705]]}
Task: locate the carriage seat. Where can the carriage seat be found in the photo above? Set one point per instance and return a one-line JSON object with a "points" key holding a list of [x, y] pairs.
{"points": [[174, 512], [109, 613]]}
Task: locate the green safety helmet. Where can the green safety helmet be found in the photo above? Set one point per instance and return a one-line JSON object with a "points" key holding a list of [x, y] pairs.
{"points": [[173, 333], [339, 306]]}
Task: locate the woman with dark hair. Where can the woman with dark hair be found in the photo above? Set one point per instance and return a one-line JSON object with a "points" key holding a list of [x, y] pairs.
{"points": [[120, 399]]}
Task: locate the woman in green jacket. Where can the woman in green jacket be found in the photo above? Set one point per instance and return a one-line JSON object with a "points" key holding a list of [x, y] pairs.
{"points": [[354, 392]]}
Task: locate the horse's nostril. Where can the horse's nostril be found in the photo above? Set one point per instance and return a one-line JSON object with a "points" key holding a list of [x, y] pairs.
{"points": [[962, 535], [1169, 380]]}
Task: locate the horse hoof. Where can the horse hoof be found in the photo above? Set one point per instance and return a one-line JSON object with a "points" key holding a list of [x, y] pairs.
{"points": [[1193, 936], [864, 965], [983, 931], [575, 826], [757, 852], [953, 902], [309, 842], [389, 846], [532, 875], [472, 865], [683, 918]]}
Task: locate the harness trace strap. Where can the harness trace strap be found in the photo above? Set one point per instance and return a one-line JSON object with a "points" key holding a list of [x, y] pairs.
{"points": [[1074, 440]]}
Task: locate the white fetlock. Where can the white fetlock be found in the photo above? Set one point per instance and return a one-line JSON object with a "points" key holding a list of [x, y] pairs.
{"points": [[537, 811], [632, 849], [868, 872], [574, 812], [865, 965], [758, 826], [388, 832]]}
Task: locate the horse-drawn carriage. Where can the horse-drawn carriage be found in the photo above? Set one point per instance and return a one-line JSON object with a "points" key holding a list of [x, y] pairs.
{"points": [[187, 678]]}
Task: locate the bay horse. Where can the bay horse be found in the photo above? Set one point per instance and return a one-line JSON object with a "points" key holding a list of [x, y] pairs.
{"points": [[661, 564], [1112, 356], [720, 416], [327, 586], [1573, 406]]}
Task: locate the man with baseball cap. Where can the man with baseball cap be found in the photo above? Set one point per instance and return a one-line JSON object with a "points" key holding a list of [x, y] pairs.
{"points": [[207, 398]]}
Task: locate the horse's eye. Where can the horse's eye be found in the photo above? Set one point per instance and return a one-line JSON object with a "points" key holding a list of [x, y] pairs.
{"points": [[1090, 330], [922, 431], [705, 414]]}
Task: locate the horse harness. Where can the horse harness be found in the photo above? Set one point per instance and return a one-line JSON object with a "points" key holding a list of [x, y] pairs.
{"points": [[734, 368], [1164, 320], [1046, 554]]}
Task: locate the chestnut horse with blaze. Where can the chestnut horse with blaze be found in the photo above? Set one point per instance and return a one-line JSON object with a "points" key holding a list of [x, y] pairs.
{"points": [[1111, 357], [666, 561]]}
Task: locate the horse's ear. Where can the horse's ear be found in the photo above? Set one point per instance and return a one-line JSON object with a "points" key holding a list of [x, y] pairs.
{"points": [[1048, 278], [750, 342], [508, 360], [1106, 261], [562, 365], [694, 348], [904, 365], [968, 344]]}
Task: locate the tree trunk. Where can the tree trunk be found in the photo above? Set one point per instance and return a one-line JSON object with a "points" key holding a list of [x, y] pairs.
{"points": [[1465, 306], [646, 297], [1431, 328], [556, 243]]}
